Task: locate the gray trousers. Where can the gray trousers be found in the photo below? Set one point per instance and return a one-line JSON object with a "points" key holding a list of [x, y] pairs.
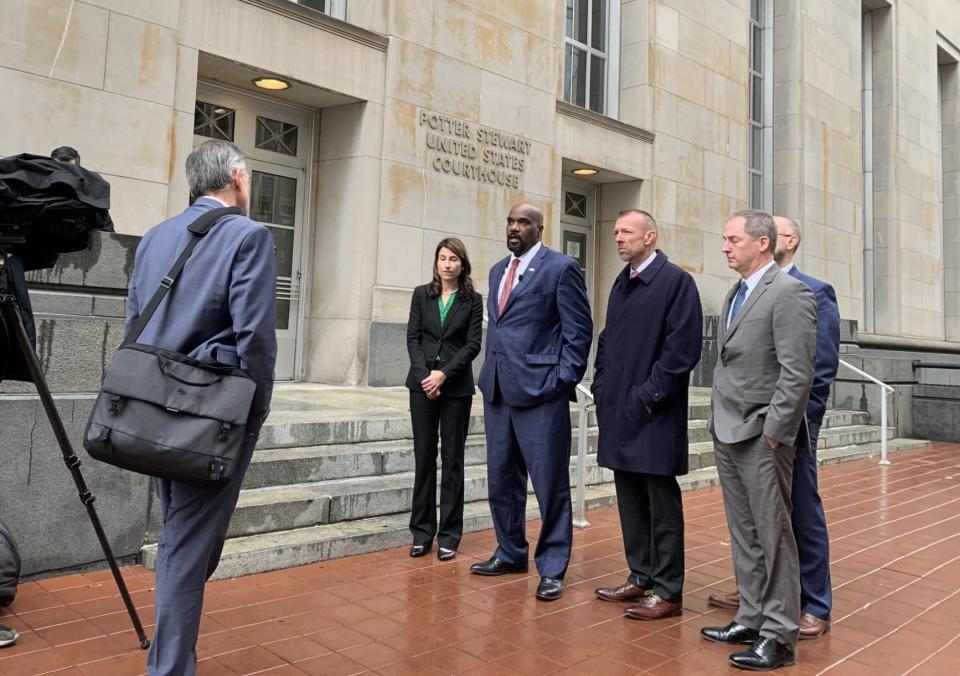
{"points": [[195, 522], [756, 481]]}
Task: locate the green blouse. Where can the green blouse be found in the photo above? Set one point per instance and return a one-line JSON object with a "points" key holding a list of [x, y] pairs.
{"points": [[445, 307]]}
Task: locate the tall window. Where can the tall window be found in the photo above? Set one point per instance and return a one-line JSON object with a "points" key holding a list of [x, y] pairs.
{"points": [[761, 104], [866, 71], [587, 65], [335, 8]]}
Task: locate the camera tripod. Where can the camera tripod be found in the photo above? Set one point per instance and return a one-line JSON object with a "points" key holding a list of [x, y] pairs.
{"points": [[11, 317]]}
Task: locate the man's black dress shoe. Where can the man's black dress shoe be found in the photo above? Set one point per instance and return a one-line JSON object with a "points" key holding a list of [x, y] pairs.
{"points": [[445, 554], [766, 654], [494, 566], [733, 633], [549, 589], [417, 551]]}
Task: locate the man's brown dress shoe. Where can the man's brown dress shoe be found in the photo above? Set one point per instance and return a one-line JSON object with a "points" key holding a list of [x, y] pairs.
{"points": [[653, 608], [625, 593], [812, 626], [729, 600]]}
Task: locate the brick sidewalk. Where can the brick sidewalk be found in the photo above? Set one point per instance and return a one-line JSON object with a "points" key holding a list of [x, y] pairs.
{"points": [[895, 536]]}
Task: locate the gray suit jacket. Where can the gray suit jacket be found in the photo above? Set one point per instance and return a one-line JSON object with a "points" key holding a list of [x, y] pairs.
{"points": [[766, 363]]}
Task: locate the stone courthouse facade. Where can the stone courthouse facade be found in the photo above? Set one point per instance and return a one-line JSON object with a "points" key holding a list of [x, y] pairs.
{"points": [[404, 122]]}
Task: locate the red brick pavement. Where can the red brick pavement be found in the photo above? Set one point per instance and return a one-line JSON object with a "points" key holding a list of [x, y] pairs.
{"points": [[895, 535]]}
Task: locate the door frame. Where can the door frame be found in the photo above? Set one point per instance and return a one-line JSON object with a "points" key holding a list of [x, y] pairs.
{"points": [[308, 120]]}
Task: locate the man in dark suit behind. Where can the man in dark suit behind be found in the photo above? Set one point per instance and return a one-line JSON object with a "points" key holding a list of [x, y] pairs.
{"points": [[222, 310], [645, 353], [766, 343], [538, 339]]}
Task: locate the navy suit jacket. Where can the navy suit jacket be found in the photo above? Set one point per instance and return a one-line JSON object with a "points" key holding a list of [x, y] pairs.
{"points": [[538, 348], [222, 309], [828, 344]]}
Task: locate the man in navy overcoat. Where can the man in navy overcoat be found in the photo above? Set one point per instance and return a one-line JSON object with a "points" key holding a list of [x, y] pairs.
{"points": [[807, 516], [222, 310], [651, 343], [538, 340]]}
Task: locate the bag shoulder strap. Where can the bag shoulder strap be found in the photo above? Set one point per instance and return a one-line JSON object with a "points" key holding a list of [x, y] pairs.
{"points": [[199, 227]]}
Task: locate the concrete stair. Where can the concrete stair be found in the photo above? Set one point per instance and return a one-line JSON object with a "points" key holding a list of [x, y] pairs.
{"points": [[320, 489]]}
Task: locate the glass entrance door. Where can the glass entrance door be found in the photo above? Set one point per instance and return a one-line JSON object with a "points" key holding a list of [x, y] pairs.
{"points": [[276, 140], [275, 195]]}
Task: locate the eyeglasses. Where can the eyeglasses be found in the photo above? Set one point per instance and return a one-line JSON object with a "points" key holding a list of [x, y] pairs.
{"points": [[785, 234]]}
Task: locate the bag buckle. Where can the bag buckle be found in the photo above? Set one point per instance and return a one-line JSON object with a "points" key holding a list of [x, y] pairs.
{"points": [[114, 404], [224, 428], [166, 282], [215, 470]]}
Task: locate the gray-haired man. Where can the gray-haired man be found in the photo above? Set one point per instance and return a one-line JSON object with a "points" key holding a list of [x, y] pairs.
{"points": [[766, 343], [221, 311]]}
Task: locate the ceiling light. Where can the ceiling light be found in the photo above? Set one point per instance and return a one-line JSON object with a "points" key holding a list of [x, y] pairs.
{"points": [[585, 171], [272, 83]]}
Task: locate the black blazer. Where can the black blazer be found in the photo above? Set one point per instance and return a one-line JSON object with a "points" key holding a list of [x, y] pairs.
{"points": [[457, 344]]}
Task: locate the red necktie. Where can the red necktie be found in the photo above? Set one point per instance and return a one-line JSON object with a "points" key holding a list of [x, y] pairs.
{"points": [[508, 286]]}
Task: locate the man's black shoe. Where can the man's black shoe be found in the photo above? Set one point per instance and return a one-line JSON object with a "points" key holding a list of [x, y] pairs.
{"points": [[494, 566], [733, 633], [549, 589], [766, 654]]}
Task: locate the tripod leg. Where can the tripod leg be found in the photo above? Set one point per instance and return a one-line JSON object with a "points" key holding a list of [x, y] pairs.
{"points": [[70, 458]]}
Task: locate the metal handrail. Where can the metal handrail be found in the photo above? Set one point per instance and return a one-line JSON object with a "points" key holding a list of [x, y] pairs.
{"points": [[916, 364], [884, 391], [584, 399]]}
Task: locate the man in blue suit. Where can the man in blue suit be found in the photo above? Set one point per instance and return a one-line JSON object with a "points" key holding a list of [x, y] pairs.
{"points": [[538, 339], [222, 310], [809, 521]]}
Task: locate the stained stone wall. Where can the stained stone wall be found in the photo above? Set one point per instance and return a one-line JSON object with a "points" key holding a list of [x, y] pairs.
{"points": [[118, 80]]}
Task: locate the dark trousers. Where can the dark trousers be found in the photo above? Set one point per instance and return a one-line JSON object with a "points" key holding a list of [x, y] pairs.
{"points": [[534, 441], [450, 416], [195, 522], [651, 518], [810, 531]]}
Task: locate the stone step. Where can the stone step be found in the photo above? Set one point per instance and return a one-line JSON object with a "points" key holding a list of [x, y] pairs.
{"points": [[303, 464], [282, 466], [281, 508], [273, 508], [284, 549], [282, 431]]}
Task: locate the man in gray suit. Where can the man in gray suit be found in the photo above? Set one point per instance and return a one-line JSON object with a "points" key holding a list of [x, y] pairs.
{"points": [[767, 342], [222, 310]]}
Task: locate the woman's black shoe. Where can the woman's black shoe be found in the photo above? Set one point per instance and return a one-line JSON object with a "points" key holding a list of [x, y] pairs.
{"points": [[445, 554], [416, 551]]}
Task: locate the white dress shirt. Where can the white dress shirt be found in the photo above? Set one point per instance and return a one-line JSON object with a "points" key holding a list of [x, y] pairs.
{"points": [[521, 268], [751, 282], [643, 266]]}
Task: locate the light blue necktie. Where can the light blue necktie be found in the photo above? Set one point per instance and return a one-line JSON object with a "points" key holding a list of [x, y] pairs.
{"points": [[738, 302]]}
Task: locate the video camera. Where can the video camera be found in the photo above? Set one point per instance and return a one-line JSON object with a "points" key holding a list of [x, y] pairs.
{"points": [[47, 208]]}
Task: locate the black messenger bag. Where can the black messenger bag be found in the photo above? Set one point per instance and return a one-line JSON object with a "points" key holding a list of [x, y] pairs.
{"points": [[166, 414]]}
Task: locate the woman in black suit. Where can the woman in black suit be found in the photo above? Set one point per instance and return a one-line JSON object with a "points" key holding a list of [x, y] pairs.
{"points": [[443, 339]]}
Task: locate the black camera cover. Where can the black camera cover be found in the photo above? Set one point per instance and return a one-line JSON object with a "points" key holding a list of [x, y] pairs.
{"points": [[55, 204]]}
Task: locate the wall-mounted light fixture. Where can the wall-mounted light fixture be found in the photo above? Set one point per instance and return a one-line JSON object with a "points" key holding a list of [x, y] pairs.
{"points": [[584, 171], [271, 83]]}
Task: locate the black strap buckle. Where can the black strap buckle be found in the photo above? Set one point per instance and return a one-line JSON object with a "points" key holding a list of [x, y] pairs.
{"points": [[215, 470], [166, 282], [114, 403]]}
